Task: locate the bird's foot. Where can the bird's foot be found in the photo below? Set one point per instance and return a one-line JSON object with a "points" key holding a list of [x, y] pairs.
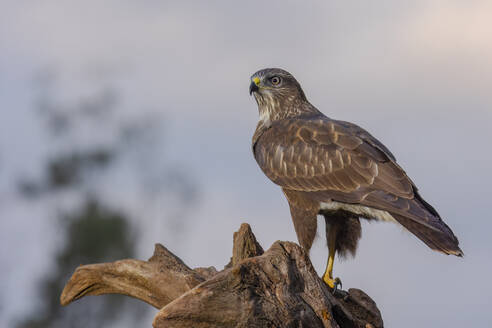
{"points": [[332, 283]]}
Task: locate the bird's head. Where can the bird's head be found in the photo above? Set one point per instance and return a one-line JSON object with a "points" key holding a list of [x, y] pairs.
{"points": [[274, 82], [277, 93]]}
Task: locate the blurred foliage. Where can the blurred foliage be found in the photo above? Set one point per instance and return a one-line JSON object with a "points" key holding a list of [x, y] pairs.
{"points": [[92, 234], [66, 170], [95, 234], [87, 141]]}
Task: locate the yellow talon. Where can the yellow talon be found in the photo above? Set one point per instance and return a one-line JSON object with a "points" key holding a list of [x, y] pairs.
{"points": [[328, 275], [332, 282]]}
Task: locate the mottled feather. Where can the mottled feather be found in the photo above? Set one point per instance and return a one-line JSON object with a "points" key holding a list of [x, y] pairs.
{"points": [[317, 159]]}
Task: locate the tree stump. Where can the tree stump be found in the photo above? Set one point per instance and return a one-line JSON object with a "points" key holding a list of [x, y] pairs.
{"points": [[276, 288]]}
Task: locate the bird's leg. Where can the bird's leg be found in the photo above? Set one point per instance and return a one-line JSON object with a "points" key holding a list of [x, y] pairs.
{"points": [[328, 275]]}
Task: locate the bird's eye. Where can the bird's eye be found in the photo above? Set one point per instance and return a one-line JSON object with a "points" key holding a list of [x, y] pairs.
{"points": [[275, 80]]}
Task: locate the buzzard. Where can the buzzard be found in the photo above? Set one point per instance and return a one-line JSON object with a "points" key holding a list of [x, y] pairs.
{"points": [[335, 169]]}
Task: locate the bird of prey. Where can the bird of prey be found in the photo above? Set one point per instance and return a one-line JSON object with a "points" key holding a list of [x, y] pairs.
{"points": [[335, 169]]}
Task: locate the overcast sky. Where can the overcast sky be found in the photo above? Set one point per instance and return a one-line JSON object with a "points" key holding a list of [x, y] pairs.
{"points": [[416, 74]]}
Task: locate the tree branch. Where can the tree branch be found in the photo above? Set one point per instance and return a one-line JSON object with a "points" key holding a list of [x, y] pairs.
{"points": [[157, 281], [276, 288]]}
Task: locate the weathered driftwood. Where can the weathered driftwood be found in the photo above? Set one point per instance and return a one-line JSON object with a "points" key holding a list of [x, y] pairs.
{"points": [[276, 288]]}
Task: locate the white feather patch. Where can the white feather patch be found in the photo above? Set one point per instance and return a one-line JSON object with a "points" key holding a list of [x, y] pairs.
{"points": [[360, 210], [265, 117]]}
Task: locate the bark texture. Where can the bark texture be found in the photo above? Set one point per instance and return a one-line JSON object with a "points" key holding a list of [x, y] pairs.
{"points": [[276, 288]]}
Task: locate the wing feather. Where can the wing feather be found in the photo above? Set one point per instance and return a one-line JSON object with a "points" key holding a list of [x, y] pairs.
{"points": [[336, 160], [314, 155]]}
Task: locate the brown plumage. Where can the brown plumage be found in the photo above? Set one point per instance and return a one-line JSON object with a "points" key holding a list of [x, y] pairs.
{"points": [[336, 169]]}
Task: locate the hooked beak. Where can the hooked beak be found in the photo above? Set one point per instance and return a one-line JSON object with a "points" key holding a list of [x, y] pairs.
{"points": [[253, 87]]}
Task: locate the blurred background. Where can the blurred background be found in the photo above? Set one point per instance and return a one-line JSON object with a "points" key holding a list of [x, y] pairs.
{"points": [[125, 123]]}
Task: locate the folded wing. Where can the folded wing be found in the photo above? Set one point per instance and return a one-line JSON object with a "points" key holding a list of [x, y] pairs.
{"points": [[335, 160]]}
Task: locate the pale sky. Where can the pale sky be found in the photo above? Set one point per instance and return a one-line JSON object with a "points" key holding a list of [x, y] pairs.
{"points": [[417, 75]]}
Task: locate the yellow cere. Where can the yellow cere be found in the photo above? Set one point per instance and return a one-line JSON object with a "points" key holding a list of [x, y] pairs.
{"points": [[256, 80]]}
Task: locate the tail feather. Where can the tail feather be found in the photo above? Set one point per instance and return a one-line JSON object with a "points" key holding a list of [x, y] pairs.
{"points": [[442, 241], [418, 217]]}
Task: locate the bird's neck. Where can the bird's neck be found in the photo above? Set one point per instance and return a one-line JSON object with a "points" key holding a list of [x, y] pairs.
{"points": [[272, 109]]}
